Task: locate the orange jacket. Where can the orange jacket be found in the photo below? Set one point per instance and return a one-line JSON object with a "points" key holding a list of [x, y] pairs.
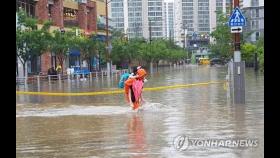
{"points": [[141, 74]]}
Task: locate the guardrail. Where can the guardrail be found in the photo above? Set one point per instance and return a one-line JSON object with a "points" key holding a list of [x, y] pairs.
{"points": [[60, 77]]}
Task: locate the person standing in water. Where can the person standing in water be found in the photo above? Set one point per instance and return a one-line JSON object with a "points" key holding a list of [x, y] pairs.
{"points": [[133, 87]]}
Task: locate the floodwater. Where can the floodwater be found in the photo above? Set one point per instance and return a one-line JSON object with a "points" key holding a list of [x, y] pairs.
{"points": [[104, 125]]}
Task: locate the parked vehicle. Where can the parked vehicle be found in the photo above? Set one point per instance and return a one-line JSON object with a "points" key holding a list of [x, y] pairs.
{"points": [[203, 61], [217, 61]]}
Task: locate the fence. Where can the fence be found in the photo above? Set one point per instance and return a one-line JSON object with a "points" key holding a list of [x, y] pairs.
{"points": [[60, 77]]}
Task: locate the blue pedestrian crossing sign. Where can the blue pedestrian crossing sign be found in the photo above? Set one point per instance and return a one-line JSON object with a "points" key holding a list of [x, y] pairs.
{"points": [[237, 18]]}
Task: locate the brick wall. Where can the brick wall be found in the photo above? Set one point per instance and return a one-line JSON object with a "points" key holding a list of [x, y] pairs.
{"points": [[92, 16], [41, 10], [57, 13], [82, 16]]}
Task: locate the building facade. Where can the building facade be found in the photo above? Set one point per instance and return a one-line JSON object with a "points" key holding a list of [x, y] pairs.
{"points": [[168, 16], [253, 10], [135, 17], [196, 17], [63, 14]]}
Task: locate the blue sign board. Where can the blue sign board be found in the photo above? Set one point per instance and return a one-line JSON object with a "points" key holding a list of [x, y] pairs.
{"points": [[237, 18]]}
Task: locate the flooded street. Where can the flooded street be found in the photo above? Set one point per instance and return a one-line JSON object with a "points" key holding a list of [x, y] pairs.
{"points": [[104, 125]]}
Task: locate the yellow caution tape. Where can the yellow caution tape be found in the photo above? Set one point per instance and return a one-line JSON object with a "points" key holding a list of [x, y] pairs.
{"points": [[116, 91]]}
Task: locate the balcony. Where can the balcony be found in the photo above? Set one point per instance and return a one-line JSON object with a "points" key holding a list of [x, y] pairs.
{"points": [[71, 23], [70, 4], [70, 17]]}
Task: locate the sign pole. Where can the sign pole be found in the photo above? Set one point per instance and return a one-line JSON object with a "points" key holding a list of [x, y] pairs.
{"points": [[237, 20]]}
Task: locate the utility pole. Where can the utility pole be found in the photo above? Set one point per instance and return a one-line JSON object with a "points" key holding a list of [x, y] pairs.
{"points": [[236, 35], [107, 41], [186, 33], [150, 31], [185, 38], [237, 67], [150, 36], [170, 36]]}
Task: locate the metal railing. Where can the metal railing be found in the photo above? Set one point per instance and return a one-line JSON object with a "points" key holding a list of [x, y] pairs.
{"points": [[60, 77]]}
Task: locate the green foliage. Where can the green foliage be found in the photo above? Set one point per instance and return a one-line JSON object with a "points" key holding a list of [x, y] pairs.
{"points": [[223, 39], [138, 50], [248, 51], [31, 42], [260, 51]]}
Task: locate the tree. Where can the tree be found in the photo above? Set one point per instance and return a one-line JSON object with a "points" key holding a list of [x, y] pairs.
{"points": [[61, 43], [126, 51], [138, 50], [223, 39], [175, 55], [100, 50], [119, 51], [248, 51], [87, 47], [260, 51], [30, 42]]}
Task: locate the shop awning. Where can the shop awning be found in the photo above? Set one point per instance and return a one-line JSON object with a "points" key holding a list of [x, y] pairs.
{"points": [[75, 52]]}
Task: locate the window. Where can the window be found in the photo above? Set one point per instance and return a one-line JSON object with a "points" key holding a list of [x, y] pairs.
{"points": [[158, 14], [117, 4], [151, 9], [27, 5], [151, 13], [257, 36], [204, 29], [158, 3], [255, 13], [188, 4], [254, 3], [255, 24]]}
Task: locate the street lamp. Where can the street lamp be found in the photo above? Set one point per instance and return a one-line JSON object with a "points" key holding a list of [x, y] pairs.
{"points": [[108, 50], [194, 45], [186, 33]]}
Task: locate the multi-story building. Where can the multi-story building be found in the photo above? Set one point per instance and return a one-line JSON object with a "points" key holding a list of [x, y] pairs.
{"points": [[196, 17], [155, 17], [178, 25], [168, 16], [253, 10], [134, 17], [64, 14], [229, 4], [117, 13], [200, 15]]}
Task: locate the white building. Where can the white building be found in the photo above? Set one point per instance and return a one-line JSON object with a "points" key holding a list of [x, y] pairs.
{"points": [[117, 14], [168, 19], [253, 10], [155, 17], [134, 17], [178, 25], [196, 16]]}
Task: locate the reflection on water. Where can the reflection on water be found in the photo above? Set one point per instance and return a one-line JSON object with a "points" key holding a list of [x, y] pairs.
{"points": [[136, 137], [104, 126]]}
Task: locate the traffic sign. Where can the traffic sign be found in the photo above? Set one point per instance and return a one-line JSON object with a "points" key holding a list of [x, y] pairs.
{"points": [[237, 18], [236, 29]]}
